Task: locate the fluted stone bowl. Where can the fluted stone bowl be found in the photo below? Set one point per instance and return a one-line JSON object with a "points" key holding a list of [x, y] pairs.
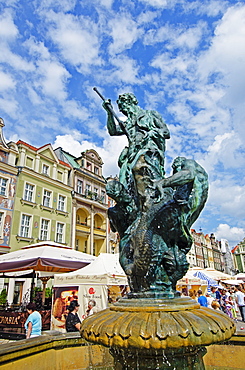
{"points": [[157, 324]]}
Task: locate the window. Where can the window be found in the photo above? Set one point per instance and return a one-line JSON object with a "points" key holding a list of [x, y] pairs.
{"points": [[59, 176], [88, 189], [44, 233], [103, 196], [88, 166], [96, 192], [61, 203], [45, 169], [77, 244], [60, 232], [46, 198], [1, 223], [3, 186], [79, 186], [25, 226], [28, 193], [29, 162], [96, 170]]}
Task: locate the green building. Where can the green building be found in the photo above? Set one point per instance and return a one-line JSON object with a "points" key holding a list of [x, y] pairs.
{"points": [[238, 253], [43, 199]]}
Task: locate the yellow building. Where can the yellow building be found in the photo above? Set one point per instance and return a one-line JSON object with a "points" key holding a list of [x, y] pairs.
{"points": [[90, 233]]}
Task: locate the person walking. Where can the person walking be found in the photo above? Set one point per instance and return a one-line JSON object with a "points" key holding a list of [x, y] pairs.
{"points": [[240, 299], [33, 324], [73, 322], [213, 292], [202, 300], [210, 299]]}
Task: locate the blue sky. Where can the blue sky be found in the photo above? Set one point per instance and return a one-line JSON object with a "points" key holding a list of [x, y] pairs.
{"points": [[185, 59]]}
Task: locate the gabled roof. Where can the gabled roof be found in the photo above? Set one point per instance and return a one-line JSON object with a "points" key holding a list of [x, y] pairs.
{"points": [[71, 159], [234, 249], [42, 149]]}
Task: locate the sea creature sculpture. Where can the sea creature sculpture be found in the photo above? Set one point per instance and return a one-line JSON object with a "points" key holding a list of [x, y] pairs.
{"points": [[153, 214]]}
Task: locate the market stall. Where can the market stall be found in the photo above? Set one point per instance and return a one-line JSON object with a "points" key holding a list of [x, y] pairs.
{"points": [[43, 259], [189, 284], [103, 282], [218, 275]]}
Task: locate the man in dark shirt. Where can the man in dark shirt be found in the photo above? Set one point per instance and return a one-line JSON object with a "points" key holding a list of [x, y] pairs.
{"points": [[73, 323]]}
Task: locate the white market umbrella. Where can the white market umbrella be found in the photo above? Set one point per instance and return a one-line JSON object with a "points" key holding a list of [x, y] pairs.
{"points": [[44, 256], [232, 282], [217, 275], [106, 269], [240, 276], [190, 279]]}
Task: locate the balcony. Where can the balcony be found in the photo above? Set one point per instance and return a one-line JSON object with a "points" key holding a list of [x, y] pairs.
{"points": [[83, 227], [99, 231]]}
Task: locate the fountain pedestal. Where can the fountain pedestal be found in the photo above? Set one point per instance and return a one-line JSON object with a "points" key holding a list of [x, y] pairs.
{"points": [[158, 333]]}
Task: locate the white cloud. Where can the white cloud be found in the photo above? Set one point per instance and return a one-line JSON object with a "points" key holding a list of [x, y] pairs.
{"points": [[50, 75], [9, 106], [147, 17], [212, 8], [227, 55], [126, 70], [8, 30], [109, 151], [105, 3], [73, 109], [169, 65], [14, 60], [76, 38], [8, 37], [156, 3], [176, 37], [124, 31], [53, 80], [37, 49], [233, 234], [7, 82], [61, 5], [228, 197], [224, 150]]}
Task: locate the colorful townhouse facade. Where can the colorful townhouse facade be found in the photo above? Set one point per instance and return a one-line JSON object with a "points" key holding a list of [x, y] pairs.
{"points": [[207, 252], [43, 200], [90, 227], [8, 180], [238, 253]]}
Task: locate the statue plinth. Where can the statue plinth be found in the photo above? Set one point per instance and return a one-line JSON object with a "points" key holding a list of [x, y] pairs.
{"points": [[166, 328]]}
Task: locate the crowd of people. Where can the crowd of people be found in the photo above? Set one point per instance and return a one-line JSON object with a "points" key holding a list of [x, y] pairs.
{"points": [[230, 300], [33, 324]]}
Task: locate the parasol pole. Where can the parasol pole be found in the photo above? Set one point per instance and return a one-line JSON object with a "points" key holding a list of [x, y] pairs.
{"points": [[44, 280], [32, 285]]}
